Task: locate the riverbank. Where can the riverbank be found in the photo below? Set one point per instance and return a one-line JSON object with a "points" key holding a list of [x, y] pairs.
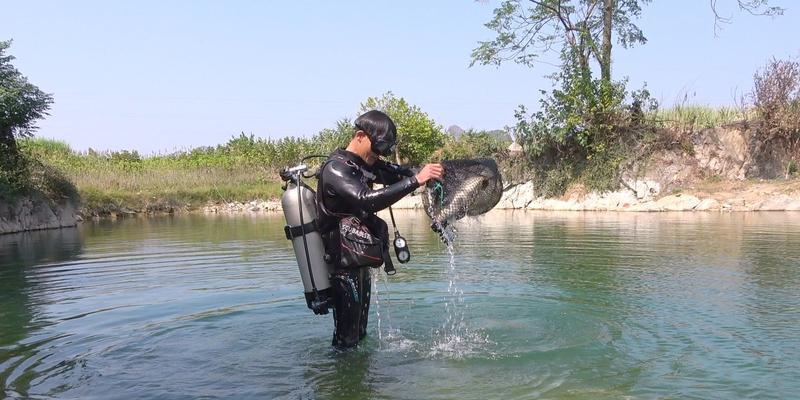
{"points": [[35, 212], [727, 196], [712, 169]]}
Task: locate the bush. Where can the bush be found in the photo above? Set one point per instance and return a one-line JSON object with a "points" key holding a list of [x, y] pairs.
{"points": [[583, 130], [472, 144], [776, 97]]}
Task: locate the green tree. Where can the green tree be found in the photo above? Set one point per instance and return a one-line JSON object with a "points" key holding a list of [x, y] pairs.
{"points": [[21, 103], [527, 30], [418, 135]]}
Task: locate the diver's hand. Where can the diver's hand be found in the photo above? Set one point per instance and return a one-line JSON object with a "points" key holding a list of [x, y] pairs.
{"points": [[429, 171]]}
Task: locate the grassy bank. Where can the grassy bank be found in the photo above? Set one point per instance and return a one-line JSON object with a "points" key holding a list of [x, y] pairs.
{"points": [[246, 168], [124, 181], [690, 118]]}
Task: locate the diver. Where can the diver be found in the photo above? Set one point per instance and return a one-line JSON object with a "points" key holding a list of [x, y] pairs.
{"points": [[356, 239]]}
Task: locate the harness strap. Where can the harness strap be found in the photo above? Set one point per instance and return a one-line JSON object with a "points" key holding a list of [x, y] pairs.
{"points": [[297, 231]]}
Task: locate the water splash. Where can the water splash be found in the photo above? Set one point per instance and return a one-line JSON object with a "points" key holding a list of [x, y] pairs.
{"points": [[455, 339], [389, 338], [376, 291]]}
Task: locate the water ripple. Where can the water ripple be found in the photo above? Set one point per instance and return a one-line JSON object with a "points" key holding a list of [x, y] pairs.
{"points": [[528, 305]]}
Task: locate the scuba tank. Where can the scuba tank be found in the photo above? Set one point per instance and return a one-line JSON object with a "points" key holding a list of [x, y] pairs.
{"points": [[300, 212]]}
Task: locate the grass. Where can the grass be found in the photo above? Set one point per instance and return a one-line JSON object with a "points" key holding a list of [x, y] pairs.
{"points": [[119, 181], [689, 118]]}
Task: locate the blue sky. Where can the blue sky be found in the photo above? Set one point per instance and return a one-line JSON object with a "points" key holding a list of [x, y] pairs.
{"points": [[158, 76]]}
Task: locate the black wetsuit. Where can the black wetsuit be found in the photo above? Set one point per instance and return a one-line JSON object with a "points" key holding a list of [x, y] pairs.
{"points": [[345, 189]]}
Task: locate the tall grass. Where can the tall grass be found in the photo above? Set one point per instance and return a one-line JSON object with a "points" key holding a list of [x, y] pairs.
{"points": [[689, 118], [243, 169]]}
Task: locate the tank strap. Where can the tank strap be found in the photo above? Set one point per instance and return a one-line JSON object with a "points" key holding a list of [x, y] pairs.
{"points": [[297, 231]]}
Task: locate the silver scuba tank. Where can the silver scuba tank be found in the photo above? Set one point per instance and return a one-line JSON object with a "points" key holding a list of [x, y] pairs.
{"points": [[300, 212]]}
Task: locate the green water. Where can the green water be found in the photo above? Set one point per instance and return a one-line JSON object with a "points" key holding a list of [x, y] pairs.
{"points": [[527, 305]]}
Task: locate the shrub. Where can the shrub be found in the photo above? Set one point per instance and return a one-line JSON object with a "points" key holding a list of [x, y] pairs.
{"points": [[776, 97]]}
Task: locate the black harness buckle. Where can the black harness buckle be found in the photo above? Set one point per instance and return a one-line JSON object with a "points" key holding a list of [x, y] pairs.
{"points": [[297, 231]]}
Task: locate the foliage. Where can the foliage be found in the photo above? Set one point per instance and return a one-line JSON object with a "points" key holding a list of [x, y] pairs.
{"points": [[21, 102], [690, 118], [33, 176], [776, 97], [418, 135], [583, 129], [472, 144], [109, 181], [586, 128], [527, 30]]}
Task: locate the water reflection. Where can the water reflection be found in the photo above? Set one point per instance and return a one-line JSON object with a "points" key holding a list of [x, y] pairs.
{"points": [[21, 295], [571, 305], [24, 298]]}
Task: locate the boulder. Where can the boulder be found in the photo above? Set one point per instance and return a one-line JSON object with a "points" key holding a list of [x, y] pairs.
{"points": [[34, 212], [708, 205], [517, 197], [777, 203], [678, 202], [721, 151]]}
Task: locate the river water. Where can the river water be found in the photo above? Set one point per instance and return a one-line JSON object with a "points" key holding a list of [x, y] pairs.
{"points": [[526, 305]]}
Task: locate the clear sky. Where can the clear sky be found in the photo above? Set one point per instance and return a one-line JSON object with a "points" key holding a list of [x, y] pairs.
{"points": [[157, 76]]}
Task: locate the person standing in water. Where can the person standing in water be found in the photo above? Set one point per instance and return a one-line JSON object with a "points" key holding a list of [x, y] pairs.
{"points": [[347, 204]]}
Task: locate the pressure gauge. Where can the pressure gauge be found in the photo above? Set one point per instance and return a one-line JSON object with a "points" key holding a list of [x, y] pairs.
{"points": [[401, 249]]}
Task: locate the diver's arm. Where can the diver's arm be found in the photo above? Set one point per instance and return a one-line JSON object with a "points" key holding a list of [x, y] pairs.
{"points": [[341, 179]]}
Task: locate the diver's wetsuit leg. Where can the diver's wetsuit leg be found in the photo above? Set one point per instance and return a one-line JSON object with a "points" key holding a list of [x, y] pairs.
{"points": [[350, 305], [366, 291]]}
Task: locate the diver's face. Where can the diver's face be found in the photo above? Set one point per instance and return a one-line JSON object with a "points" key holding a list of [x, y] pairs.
{"points": [[365, 148], [371, 156]]}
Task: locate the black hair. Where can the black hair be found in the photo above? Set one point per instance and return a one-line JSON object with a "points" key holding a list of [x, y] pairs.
{"points": [[378, 126]]}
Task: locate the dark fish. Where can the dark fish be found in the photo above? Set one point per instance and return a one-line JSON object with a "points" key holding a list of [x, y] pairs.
{"points": [[469, 187]]}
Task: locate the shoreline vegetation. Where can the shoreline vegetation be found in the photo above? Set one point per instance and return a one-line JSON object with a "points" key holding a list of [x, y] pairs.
{"points": [[591, 144], [242, 174]]}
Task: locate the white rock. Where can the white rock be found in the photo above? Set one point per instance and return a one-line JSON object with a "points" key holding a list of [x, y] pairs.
{"points": [[517, 197], [708, 205], [779, 203], [678, 202]]}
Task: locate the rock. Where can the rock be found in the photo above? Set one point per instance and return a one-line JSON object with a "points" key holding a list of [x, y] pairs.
{"points": [[708, 205], [560, 205], [678, 203], [649, 206], [721, 151], [644, 190], [517, 197], [34, 212], [778, 203], [621, 200]]}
